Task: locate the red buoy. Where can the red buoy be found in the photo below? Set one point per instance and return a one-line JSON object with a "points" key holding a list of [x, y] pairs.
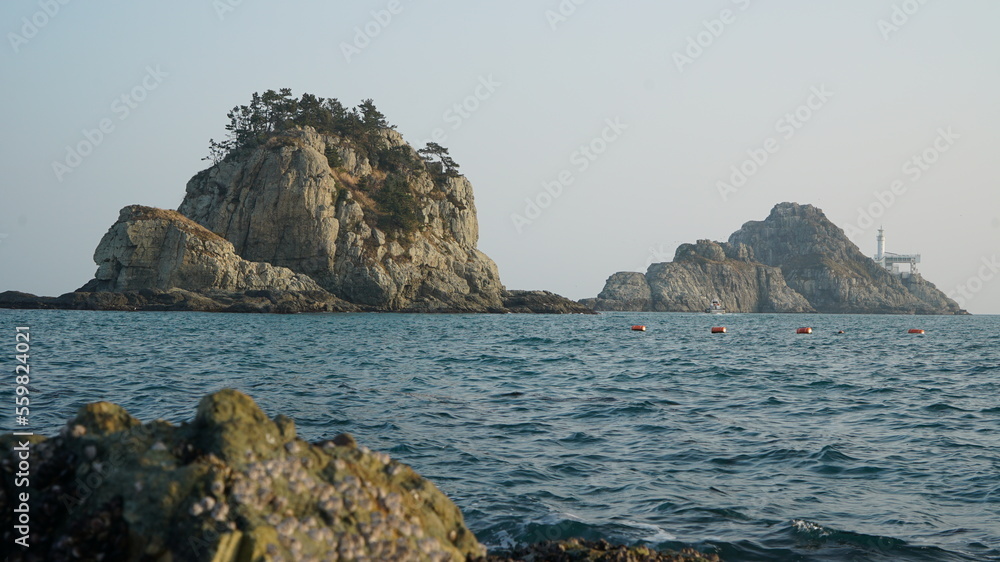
{"points": [[804, 331], [719, 330], [638, 328], [916, 331]]}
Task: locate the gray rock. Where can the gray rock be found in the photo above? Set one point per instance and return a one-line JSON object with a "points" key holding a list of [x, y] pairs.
{"points": [[264, 301], [625, 291], [283, 204], [151, 248], [823, 265], [542, 302], [699, 273], [233, 485], [794, 261]]}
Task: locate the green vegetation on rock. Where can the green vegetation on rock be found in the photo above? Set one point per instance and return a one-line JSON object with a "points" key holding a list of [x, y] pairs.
{"points": [[272, 112]]}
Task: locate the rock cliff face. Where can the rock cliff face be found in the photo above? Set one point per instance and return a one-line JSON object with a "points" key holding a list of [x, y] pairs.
{"points": [[699, 273], [156, 249], [624, 291], [824, 266], [304, 201], [794, 261]]}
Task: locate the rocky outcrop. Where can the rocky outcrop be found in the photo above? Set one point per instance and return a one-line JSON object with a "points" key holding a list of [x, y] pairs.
{"points": [[823, 265], [151, 248], [624, 291], [930, 295], [180, 300], [699, 273], [541, 302], [305, 201], [233, 485], [794, 261]]}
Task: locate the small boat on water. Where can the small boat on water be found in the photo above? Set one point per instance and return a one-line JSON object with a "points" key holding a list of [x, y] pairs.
{"points": [[716, 307]]}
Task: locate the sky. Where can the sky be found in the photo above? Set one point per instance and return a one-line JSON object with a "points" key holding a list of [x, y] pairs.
{"points": [[598, 135]]}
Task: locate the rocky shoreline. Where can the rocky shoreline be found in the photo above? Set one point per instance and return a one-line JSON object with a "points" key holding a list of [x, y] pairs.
{"points": [[232, 486], [264, 302]]}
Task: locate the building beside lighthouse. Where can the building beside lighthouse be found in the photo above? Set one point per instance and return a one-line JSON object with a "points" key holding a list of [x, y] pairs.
{"points": [[891, 262]]}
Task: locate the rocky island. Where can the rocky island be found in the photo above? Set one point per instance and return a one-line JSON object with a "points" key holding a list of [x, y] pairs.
{"points": [[796, 260], [308, 207], [234, 485]]}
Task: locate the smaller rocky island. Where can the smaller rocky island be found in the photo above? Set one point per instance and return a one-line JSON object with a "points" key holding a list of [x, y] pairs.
{"points": [[796, 260], [308, 207], [234, 485]]}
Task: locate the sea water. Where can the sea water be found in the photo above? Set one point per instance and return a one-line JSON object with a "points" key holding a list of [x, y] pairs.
{"points": [[758, 444]]}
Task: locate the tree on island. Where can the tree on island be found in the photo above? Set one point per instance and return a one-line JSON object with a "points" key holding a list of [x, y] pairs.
{"points": [[275, 111], [251, 126], [444, 164]]}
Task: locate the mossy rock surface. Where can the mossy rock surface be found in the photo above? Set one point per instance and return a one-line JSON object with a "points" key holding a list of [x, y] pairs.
{"points": [[233, 485]]}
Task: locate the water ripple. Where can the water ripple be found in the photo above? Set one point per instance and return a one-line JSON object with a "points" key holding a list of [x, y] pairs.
{"points": [[759, 445]]}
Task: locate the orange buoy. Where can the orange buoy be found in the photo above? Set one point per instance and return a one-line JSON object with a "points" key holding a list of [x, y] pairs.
{"points": [[916, 331], [840, 332], [638, 328], [804, 331], [719, 330]]}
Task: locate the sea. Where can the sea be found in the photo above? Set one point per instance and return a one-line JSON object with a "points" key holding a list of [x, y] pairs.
{"points": [[757, 444]]}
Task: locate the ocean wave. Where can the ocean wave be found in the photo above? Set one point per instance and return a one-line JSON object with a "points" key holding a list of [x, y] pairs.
{"points": [[545, 427]]}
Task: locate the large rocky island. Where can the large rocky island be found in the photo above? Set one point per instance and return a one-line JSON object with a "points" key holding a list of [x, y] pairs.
{"points": [[308, 207], [796, 260]]}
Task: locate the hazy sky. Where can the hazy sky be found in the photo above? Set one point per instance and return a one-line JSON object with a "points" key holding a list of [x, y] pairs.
{"points": [[664, 98]]}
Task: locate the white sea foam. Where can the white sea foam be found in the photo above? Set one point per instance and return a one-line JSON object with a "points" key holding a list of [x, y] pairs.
{"points": [[659, 534]]}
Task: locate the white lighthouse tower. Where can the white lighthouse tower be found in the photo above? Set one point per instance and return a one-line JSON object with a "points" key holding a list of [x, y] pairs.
{"points": [[890, 261], [880, 250]]}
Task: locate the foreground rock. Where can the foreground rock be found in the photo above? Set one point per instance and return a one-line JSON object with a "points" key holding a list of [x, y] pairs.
{"points": [[236, 486], [233, 485], [794, 261]]}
